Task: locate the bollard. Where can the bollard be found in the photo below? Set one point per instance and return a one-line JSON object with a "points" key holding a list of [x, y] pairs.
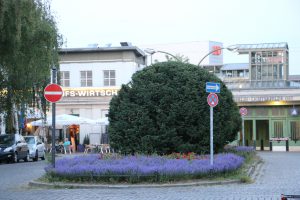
{"points": [[261, 145], [271, 146], [247, 143], [254, 144], [287, 145]]}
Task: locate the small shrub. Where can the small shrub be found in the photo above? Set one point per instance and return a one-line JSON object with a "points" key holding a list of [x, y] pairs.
{"points": [[48, 157], [245, 151], [246, 179]]}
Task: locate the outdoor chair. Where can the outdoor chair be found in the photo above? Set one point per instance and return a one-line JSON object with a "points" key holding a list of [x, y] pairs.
{"points": [[89, 148], [68, 148], [104, 148]]}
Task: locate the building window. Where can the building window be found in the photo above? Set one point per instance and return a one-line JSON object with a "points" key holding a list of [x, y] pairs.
{"points": [[65, 78], [295, 130], [86, 78], [109, 77], [278, 129]]}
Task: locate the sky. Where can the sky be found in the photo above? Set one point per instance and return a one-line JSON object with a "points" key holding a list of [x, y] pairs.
{"points": [[141, 22]]}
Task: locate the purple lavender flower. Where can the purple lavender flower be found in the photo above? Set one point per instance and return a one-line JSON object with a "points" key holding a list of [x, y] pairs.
{"points": [[244, 149], [144, 165]]}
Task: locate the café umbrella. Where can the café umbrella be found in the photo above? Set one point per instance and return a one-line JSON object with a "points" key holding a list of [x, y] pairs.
{"points": [[63, 120]]}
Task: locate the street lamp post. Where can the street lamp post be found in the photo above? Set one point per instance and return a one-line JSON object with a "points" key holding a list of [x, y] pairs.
{"points": [[229, 48], [152, 51]]}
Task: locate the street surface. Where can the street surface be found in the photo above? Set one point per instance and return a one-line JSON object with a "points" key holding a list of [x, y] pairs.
{"points": [[279, 174]]}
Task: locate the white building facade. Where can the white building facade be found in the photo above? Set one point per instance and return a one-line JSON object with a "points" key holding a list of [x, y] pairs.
{"points": [[90, 77]]}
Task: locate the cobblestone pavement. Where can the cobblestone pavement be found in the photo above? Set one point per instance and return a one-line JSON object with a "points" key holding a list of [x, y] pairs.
{"points": [[279, 174]]}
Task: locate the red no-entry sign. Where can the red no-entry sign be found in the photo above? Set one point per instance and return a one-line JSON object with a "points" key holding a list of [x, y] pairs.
{"points": [[53, 93]]}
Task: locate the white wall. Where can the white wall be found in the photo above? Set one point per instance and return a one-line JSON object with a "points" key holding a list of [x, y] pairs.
{"points": [[124, 71], [195, 51]]}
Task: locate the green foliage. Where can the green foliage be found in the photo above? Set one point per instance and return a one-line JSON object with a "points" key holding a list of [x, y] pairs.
{"points": [[179, 57], [28, 50], [246, 179], [164, 109]]}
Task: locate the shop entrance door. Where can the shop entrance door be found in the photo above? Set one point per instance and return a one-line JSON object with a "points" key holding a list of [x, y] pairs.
{"points": [[248, 128], [262, 134]]}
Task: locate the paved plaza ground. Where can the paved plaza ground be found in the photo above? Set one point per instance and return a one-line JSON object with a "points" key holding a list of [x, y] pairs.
{"points": [[279, 174]]}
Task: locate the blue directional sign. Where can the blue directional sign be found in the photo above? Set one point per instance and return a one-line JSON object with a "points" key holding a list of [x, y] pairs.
{"points": [[212, 87]]}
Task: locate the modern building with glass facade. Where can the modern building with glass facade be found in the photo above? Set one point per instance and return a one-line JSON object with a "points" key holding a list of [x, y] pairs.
{"points": [[271, 99]]}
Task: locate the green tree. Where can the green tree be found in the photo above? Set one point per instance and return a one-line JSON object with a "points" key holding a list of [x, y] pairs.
{"points": [[179, 57], [29, 43], [164, 109]]}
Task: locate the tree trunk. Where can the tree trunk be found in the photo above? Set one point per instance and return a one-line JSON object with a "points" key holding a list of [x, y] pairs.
{"points": [[16, 119], [2, 124]]}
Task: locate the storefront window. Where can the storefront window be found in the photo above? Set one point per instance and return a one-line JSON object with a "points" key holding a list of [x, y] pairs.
{"points": [[278, 129], [295, 130]]}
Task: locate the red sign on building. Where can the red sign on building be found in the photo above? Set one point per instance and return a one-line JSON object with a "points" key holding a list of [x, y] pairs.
{"points": [[217, 50]]}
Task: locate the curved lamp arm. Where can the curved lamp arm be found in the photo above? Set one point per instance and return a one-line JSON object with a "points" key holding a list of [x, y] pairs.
{"points": [[152, 51], [229, 48]]}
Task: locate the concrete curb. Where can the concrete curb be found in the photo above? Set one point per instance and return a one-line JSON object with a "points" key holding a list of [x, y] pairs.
{"points": [[124, 186], [254, 169]]}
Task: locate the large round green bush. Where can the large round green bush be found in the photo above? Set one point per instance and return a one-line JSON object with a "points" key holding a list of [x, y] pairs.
{"points": [[164, 109]]}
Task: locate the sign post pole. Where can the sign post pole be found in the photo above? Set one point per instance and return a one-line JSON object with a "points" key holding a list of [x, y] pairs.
{"points": [[53, 120], [52, 94], [243, 112], [211, 136], [212, 100], [243, 130]]}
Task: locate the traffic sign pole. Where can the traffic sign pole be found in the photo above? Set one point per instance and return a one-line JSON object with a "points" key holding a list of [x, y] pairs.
{"points": [[53, 93], [53, 120], [243, 131], [211, 135], [212, 100], [243, 112]]}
